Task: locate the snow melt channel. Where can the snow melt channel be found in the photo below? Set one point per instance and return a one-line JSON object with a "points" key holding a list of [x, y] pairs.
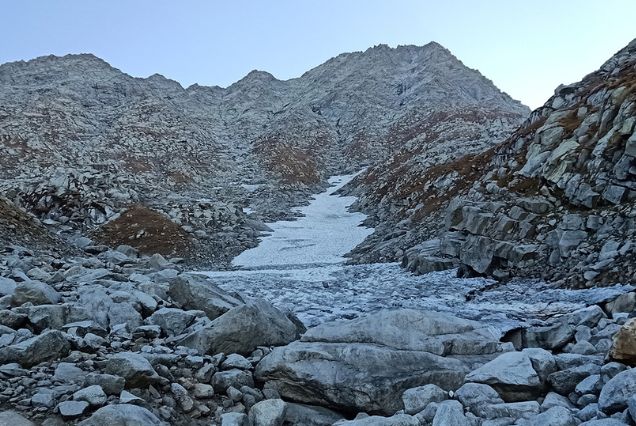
{"points": [[323, 235]]}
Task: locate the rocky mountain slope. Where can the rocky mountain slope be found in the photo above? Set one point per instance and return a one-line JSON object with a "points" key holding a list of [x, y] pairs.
{"points": [[81, 141], [555, 200]]}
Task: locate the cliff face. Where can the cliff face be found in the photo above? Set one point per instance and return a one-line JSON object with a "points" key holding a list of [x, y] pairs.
{"points": [[556, 199]]}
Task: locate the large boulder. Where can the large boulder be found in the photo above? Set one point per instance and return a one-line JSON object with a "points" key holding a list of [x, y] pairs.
{"points": [[196, 292], [349, 365], [171, 320], [410, 329], [35, 292], [624, 344], [516, 376], [48, 346], [242, 329], [616, 393], [134, 368], [354, 375], [122, 415]]}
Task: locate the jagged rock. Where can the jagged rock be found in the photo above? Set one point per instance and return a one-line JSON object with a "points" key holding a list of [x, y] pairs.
{"points": [[242, 329], [48, 346], [134, 368], [122, 415]]}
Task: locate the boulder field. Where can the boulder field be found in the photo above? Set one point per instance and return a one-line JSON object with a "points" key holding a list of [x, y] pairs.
{"points": [[118, 338]]}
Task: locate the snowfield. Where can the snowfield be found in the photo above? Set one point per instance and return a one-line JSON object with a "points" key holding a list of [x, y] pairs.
{"points": [[300, 267], [326, 232]]}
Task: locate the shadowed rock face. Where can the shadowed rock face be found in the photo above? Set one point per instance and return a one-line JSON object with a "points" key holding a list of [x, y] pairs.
{"points": [[555, 200]]}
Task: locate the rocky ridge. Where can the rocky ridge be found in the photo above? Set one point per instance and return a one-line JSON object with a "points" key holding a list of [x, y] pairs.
{"points": [[82, 141], [555, 200]]}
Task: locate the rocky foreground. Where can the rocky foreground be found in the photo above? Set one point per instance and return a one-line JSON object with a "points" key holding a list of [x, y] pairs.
{"points": [[115, 338]]}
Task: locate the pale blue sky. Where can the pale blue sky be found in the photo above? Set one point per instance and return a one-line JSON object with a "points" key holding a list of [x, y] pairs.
{"points": [[526, 47]]}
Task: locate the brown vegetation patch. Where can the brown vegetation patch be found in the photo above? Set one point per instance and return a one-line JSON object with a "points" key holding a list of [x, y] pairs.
{"points": [[147, 230], [468, 168], [293, 165], [18, 227], [570, 123]]}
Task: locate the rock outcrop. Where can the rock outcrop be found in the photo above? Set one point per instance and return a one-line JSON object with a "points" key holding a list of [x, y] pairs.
{"points": [[555, 200]]}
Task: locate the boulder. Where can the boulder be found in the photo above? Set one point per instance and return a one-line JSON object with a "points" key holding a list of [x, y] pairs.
{"points": [[450, 413], [13, 418], [122, 415], [512, 375], [416, 399], [35, 292], [110, 384], [236, 378], [171, 320], [515, 410], [270, 412], [48, 346], [196, 292], [354, 375], [7, 286], [134, 368], [310, 415], [409, 329], [94, 395], [242, 329], [617, 392], [565, 381], [555, 416], [477, 396], [72, 409], [624, 343], [234, 419]]}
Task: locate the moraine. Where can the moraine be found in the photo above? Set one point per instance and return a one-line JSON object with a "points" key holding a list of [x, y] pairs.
{"points": [[301, 267]]}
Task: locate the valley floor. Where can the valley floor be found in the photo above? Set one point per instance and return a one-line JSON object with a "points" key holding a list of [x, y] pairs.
{"points": [[300, 267]]}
